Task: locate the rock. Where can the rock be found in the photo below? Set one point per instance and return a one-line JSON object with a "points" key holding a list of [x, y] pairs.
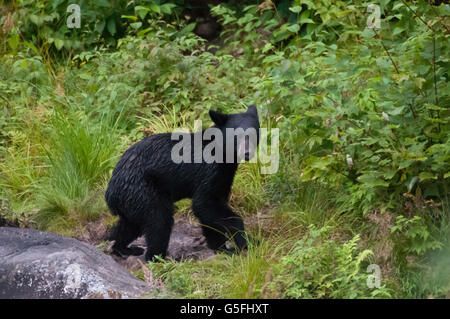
{"points": [[37, 264]]}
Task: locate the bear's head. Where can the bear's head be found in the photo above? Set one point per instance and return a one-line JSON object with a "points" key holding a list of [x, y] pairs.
{"points": [[240, 133]]}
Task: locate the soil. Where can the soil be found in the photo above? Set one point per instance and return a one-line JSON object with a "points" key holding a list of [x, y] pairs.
{"points": [[186, 242]]}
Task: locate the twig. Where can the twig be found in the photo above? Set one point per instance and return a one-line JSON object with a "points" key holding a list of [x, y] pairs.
{"points": [[385, 49], [435, 82], [412, 110], [395, 67], [418, 17], [434, 71]]}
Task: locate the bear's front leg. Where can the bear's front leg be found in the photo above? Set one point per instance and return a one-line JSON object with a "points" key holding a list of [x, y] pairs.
{"points": [[220, 223]]}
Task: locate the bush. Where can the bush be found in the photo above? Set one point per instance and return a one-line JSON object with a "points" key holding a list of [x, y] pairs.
{"points": [[376, 123], [43, 23], [319, 267]]}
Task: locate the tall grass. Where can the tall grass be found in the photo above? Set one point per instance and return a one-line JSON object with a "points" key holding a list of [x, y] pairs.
{"points": [[251, 273], [19, 172], [302, 203], [80, 154], [172, 120], [249, 193]]}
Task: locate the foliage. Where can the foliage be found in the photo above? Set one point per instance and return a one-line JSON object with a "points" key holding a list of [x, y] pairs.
{"points": [[319, 267], [416, 234], [364, 116], [43, 23]]}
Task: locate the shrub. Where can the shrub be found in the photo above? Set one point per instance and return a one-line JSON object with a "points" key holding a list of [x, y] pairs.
{"points": [[319, 267], [102, 22], [376, 123]]}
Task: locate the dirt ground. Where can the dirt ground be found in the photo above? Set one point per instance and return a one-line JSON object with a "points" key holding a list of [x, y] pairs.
{"points": [[186, 242]]}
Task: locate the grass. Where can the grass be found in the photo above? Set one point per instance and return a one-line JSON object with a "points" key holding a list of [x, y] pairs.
{"points": [[222, 276], [261, 271], [80, 157], [249, 191], [172, 120]]}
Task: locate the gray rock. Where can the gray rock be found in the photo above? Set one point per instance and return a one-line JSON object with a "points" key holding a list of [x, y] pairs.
{"points": [[36, 264]]}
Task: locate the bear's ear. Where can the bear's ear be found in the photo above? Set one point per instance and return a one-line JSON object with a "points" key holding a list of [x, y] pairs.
{"points": [[218, 118], [252, 109]]}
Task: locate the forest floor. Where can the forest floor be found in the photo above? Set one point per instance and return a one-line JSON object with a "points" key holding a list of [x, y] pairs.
{"points": [[186, 240]]}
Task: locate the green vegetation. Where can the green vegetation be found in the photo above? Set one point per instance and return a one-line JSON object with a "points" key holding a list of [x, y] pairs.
{"points": [[363, 115]]}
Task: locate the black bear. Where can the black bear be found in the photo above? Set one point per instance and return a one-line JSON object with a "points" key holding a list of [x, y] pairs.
{"points": [[147, 181]]}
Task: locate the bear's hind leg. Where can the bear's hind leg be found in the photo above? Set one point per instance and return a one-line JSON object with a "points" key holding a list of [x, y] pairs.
{"points": [[123, 234], [157, 230]]}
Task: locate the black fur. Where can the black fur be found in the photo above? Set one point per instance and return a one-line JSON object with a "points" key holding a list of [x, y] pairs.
{"points": [[146, 183]]}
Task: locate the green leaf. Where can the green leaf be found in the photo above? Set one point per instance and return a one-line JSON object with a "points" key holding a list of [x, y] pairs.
{"points": [[85, 76], [100, 26], [111, 26], [142, 33], [405, 163], [134, 18], [397, 6], [13, 41], [389, 174], [371, 179], [189, 28], [398, 30], [31, 46], [136, 25], [294, 28], [155, 8], [304, 17], [59, 44], [367, 33], [37, 20], [296, 9], [103, 3], [426, 175], [167, 8], [141, 11]]}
